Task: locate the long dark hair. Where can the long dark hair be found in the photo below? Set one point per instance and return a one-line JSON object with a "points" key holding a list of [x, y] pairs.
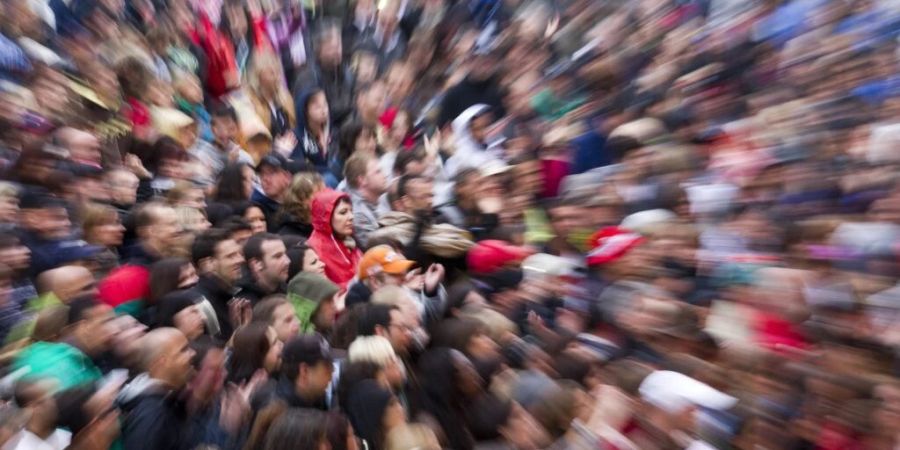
{"points": [[165, 275], [251, 345], [297, 428], [230, 188], [441, 396]]}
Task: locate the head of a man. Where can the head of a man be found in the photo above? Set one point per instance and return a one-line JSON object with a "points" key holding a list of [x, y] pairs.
{"points": [[83, 146], [89, 326], [363, 173], [166, 357], [267, 259], [415, 193], [67, 283], [307, 361], [123, 187], [45, 215], [381, 265], [274, 176], [157, 227], [224, 124], [216, 255], [329, 45], [388, 322]]}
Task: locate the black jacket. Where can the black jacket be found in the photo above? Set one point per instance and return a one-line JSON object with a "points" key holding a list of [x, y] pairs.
{"points": [[289, 226], [283, 390], [249, 289], [219, 296], [152, 417]]}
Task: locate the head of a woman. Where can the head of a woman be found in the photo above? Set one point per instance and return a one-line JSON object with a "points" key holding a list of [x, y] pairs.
{"points": [[298, 428], [297, 199], [235, 183], [254, 216], [342, 218], [266, 77], [357, 138], [304, 259], [316, 109], [256, 346], [374, 411], [169, 275], [101, 225]]}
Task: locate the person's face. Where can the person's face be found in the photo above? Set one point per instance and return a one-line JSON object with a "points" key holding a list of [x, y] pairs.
{"points": [[249, 175], [256, 219], [268, 78], [342, 219], [365, 143], [79, 282], [228, 261], [127, 332], [317, 109], [375, 98], [312, 263], [123, 188], [190, 322], [166, 229], [187, 135], [51, 223], [178, 361], [399, 333], [285, 322], [325, 315], [394, 415], [16, 257], [210, 376], [109, 234], [523, 431], [95, 332], [395, 374], [275, 261], [419, 195], [375, 181], [188, 276], [331, 50], [481, 346], [274, 181], [224, 129], [9, 209], [272, 361], [195, 199], [565, 219], [479, 127], [242, 236], [318, 377]]}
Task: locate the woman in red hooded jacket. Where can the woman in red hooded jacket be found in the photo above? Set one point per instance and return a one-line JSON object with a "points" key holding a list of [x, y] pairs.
{"points": [[332, 236]]}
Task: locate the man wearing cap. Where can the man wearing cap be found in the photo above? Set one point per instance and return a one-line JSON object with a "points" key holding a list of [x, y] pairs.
{"points": [[383, 266], [307, 366], [612, 256], [496, 269], [274, 179], [46, 231]]}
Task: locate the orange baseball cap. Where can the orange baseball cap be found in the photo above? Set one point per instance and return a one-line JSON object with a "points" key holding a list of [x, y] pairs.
{"points": [[383, 258]]}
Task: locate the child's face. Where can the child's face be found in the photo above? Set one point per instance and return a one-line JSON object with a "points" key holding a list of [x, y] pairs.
{"points": [[224, 129]]}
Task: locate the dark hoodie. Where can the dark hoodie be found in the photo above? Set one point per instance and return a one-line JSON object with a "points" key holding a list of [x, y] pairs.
{"points": [[309, 149], [340, 261], [468, 93], [152, 416]]}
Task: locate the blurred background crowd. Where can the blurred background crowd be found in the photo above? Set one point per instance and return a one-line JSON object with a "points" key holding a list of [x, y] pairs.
{"points": [[449, 224]]}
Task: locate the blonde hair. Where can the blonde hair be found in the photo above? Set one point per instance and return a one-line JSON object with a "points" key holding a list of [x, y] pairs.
{"points": [[8, 189], [188, 217], [375, 349], [298, 197], [94, 215]]}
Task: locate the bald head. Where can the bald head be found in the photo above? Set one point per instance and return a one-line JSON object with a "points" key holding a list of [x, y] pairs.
{"points": [[166, 356], [66, 282]]}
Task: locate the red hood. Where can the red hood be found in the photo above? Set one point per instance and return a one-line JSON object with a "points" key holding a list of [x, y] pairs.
{"points": [[323, 204]]}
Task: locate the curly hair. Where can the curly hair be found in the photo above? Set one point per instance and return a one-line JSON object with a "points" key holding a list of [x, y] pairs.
{"points": [[298, 197]]}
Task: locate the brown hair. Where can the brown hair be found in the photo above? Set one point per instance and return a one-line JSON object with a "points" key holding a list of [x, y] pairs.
{"points": [[355, 167], [299, 195], [94, 215]]}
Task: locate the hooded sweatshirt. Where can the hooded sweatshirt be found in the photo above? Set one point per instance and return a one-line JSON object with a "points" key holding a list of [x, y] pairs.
{"points": [[306, 292], [340, 261], [469, 152]]}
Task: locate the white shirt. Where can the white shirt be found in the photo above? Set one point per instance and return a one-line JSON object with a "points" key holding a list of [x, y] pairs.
{"points": [[26, 440]]}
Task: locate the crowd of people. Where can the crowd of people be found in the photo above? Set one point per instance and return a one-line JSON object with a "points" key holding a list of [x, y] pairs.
{"points": [[449, 224]]}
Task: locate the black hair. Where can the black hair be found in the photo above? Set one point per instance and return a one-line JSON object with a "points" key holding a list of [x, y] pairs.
{"points": [[296, 254], [349, 134], [205, 244], [79, 307], [234, 224], [297, 428], [619, 146], [487, 416], [223, 110], [405, 158], [164, 277], [202, 346], [403, 183], [353, 373], [253, 247], [372, 316], [230, 187]]}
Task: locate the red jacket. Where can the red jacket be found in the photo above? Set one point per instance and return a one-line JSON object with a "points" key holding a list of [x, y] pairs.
{"points": [[340, 262]]}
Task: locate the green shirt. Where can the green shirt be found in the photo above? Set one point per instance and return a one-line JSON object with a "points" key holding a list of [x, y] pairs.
{"points": [[65, 364]]}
